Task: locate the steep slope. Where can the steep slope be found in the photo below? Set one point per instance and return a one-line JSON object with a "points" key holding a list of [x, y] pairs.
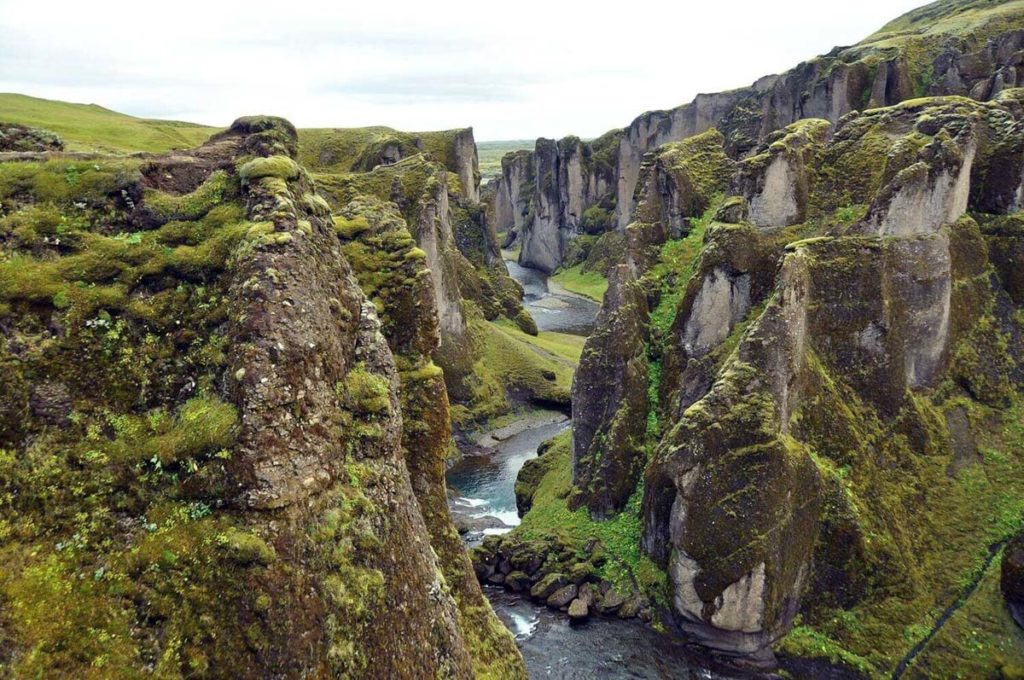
{"points": [[951, 47], [212, 465], [88, 127]]}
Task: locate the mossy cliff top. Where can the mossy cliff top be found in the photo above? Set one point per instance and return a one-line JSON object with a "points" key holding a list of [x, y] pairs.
{"points": [[200, 433], [362, 149]]}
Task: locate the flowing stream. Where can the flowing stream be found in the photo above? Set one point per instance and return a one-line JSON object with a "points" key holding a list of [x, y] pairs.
{"points": [[482, 487]]}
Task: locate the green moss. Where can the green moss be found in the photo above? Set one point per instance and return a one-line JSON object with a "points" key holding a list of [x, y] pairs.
{"points": [[366, 393], [619, 554], [245, 548], [204, 425], [978, 639], [512, 363], [280, 167], [217, 189], [806, 643], [675, 266]]}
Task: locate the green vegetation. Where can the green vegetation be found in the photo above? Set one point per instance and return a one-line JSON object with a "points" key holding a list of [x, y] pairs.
{"points": [[589, 284], [491, 153], [564, 345], [511, 362], [676, 265], [979, 638], [88, 127], [341, 150], [549, 517]]}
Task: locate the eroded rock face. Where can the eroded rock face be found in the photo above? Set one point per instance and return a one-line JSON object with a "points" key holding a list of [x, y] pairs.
{"points": [[467, 164], [788, 359], [776, 182], [610, 400], [273, 440], [679, 182], [722, 301]]}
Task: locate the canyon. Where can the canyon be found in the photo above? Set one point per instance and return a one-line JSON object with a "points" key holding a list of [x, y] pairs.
{"points": [[312, 403]]}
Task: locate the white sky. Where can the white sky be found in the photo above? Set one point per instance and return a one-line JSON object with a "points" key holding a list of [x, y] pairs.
{"points": [[515, 69]]}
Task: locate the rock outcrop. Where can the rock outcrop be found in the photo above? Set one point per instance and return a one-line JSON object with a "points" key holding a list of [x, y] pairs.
{"points": [[27, 139], [235, 489], [1011, 578], [609, 400], [341, 150]]}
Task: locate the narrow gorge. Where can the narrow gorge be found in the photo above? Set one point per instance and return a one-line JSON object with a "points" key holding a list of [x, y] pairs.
{"points": [[734, 391]]}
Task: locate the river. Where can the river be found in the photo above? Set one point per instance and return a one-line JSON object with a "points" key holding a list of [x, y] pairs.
{"points": [[482, 485]]}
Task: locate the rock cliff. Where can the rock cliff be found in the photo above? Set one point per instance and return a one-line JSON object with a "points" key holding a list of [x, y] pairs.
{"points": [[211, 440], [826, 358]]}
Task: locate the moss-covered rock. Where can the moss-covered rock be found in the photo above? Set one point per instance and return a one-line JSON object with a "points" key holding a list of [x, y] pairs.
{"points": [[610, 401], [203, 457]]}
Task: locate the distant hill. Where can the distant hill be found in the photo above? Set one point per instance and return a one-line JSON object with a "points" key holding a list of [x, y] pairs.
{"points": [[88, 127]]}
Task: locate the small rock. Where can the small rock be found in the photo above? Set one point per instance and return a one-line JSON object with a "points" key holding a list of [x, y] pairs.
{"points": [[579, 610], [563, 596], [630, 608], [517, 581], [610, 602], [497, 578], [546, 587], [589, 593], [466, 523], [580, 572]]}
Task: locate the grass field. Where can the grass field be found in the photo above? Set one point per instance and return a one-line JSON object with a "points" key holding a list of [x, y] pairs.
{"points": [[588, 284], [491, 152], [88, 127]]}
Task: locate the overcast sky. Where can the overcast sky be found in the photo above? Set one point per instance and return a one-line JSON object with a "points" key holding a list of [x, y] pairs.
{"points": [[513, 69]]}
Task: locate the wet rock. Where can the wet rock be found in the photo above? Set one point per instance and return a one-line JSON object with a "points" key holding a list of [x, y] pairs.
{"points": [[610, 602], [563, 596], [579, 610], [466, 523], [517, 581], [630, 608], [547, 586]]}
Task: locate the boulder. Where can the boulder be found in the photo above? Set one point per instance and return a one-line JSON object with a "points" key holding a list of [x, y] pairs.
{"points": [[579, 610], [563, 596], [547, 586]]}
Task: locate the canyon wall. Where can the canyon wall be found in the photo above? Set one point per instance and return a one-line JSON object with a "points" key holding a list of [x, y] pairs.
{"points": [[973, 51]]}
